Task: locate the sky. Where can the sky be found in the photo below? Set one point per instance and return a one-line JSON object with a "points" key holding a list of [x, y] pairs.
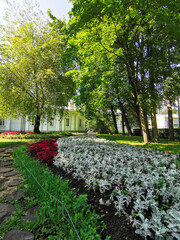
{"points": [[59, 8]]}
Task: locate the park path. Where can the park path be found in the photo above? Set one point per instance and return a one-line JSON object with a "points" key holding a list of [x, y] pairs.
{"points": [[10, 181]]}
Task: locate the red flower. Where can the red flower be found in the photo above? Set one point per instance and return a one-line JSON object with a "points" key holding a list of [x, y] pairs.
{"points": [[45, 150], [14, 133]]}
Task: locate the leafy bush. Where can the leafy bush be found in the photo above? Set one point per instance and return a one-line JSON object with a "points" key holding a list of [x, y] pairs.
{"points": [[143, 183], [164, 133]]}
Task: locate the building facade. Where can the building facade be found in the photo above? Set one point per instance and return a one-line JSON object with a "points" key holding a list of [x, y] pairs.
{"points": [[162, 121], [71, 121]]}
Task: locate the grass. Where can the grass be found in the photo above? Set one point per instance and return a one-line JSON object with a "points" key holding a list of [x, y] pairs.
{"points": [[10, 142], [52, 221], [163, 145]]}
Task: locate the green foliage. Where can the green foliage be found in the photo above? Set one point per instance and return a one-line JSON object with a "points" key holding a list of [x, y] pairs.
{"points": [[172, 86], [175, 111], [52, 221], [116, 44], [32, 75]]}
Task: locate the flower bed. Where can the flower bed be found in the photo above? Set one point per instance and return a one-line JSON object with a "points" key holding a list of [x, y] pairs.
{"points": [[14, 133], [144, 184], [45, 150]]}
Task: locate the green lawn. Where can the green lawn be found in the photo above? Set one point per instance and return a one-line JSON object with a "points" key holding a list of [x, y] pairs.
{"points": [[10, 142], [163, 145]]}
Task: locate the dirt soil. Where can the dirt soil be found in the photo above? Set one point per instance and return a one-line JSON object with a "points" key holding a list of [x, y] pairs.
{"points": [[118, 227]]}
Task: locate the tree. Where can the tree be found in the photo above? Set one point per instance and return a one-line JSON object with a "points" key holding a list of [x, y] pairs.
{"points": [[172, 91], [131, 33], [33, 79]]}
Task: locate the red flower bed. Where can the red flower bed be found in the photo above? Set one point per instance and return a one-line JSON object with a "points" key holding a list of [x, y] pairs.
{"points": [[14, 133], [45, 150]]}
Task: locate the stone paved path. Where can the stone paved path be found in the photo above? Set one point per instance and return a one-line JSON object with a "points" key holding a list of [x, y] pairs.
{"points": [[10, 179]]}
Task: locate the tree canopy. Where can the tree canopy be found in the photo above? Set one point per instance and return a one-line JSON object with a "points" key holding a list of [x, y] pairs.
{"points": [[33, 79], [136, 42]]}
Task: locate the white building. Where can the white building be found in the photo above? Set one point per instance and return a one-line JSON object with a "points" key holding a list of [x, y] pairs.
{"points": [[71, 121], [162, 121]]}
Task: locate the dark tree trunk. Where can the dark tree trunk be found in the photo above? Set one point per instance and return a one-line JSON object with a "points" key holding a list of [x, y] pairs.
{"points": [[138, 116], [114, 120], [179, 110], [170, 119], [133, 80], [37, 124], [168, 102], [155, 135], [123, 130], [125, 119], [153, 94]]}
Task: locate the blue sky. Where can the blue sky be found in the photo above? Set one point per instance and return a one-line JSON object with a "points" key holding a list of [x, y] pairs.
{"points": [[59, 8]]}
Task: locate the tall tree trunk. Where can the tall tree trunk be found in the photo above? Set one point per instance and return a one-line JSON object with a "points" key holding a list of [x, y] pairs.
{"points": [[152, 123], [123, 130], [179, 110], [153, 94], [168, 101], [155, 135], [144, 126], [125, 119], [37, 124], [114, 120], [170, 119], [138, 116]]}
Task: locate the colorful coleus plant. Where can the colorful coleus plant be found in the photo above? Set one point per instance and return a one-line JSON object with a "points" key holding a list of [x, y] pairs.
{"points": [[45, 150]]}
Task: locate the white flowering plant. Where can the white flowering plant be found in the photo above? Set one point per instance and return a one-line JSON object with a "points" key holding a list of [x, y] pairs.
{"points": [[142, 180]]}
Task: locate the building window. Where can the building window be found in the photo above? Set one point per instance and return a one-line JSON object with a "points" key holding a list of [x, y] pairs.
{"points": [[80, 122], [52, 122], [1, 122], [67, 122]]}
